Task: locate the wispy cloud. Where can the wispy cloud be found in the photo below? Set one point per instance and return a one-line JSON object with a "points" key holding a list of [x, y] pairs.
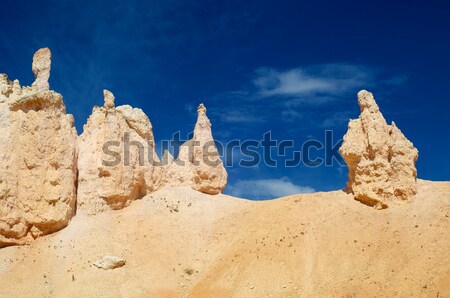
{"points": [[291, 115], [263, 189], [317, 80], [292, 92], [189, 107]]}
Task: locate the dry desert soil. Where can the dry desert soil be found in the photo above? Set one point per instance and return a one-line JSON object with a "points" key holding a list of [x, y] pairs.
{"points": [[181, 243]]}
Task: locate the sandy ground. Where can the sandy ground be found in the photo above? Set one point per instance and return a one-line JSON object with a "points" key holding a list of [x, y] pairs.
{"points": [[181, 243]]}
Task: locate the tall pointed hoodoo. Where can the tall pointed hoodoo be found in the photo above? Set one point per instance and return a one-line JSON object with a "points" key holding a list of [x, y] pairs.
{"points": [[198, 163], [381, 160]]}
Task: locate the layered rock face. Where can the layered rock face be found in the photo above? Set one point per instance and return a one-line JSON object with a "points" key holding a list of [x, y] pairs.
{"points": [[198, 163], [38, 157], [117, 159], [381, 160]]}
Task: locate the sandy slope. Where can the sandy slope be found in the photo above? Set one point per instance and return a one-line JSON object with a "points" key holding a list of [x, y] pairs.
{"points": [[181, 243]]}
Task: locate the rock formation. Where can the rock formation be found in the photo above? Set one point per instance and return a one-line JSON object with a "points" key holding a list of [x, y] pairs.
{"points": [[42, 60], [114, 159], [116, 162], [381, 160], [198, 163], [38, 157]]}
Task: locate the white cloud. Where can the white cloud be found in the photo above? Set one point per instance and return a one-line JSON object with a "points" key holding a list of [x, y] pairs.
{"points": [[292, 93], [316, 84], [262, 189]]}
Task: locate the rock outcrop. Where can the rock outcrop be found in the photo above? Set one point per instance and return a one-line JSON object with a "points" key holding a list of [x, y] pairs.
{"points": [[117, 159], [47, 171], [381, 160], [37, 157], [198, 163]]}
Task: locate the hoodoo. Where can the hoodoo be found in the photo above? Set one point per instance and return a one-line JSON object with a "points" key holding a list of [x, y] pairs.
{"points": [[381, 160], [116, 162], [198, 163], [38, 157]]}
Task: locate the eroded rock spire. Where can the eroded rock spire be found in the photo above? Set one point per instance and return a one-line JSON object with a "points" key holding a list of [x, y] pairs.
{"points": [[381, 160], [112, 176], [38, 158], [198, 164], [108, 98], [42, 61]]}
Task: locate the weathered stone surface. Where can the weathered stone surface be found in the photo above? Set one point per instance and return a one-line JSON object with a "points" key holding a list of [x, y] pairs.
{"points": [[109, 99], [110, 262], [381, 160], [113, 164], [198, 163], [41, 68], [37, 158]]}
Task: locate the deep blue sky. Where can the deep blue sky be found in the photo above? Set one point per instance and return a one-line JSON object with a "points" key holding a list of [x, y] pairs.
{"points": [[292, 67]]}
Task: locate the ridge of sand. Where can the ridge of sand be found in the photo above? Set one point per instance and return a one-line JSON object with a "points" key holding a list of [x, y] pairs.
{"points": [[181, 243]]}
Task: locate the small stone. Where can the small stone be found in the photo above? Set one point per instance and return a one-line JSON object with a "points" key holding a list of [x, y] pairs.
{"points": [[110, 262]]}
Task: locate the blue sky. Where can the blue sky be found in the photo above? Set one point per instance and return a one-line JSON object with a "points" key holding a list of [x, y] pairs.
{"points": [[291, 67]]}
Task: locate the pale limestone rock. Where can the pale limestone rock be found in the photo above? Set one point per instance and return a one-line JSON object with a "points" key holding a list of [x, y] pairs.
{"points": [[109, 99], [123, 134], [110, 262], [138, 121], [41, 68], [380, 159], [198, 163], [37, 161]]}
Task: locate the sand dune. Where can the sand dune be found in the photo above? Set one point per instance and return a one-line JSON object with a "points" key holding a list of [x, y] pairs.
{"points": [[181, 243]]}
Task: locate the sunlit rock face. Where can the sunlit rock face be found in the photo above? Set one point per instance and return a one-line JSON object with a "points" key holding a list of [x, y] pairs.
{"points": [[47, 171], [381, 160], [37, 157], [117, 159], [198, 163]]}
